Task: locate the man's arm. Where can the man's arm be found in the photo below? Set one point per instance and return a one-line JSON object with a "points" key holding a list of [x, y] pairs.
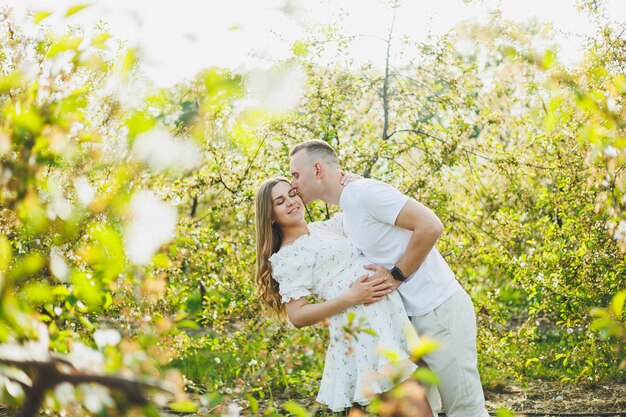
{"points": [[426, 229]]}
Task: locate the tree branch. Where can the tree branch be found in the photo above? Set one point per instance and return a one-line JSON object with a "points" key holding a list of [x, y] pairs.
{"points": [[47, 374]]}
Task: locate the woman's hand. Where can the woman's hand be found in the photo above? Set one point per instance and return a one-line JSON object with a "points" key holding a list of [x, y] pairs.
{"points": [[348, 177], [366, 291]]}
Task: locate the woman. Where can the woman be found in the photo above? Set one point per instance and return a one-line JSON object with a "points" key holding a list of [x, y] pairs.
{"points": [[295, 260]]}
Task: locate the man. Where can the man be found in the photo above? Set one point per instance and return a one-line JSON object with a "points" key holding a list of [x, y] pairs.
{"points": [[399, 234]]}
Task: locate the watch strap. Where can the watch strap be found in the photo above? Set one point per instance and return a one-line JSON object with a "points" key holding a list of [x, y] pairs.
{"points": [[397, 274]]}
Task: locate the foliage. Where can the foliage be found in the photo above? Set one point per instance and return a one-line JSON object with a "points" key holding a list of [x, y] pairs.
{"points": [[77, 268], [611, 322], [521, 157], [494, 141]]}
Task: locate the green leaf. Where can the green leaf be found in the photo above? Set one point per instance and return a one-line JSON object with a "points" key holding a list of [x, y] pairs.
{"points": [[150, 411], [390, 354], [424, 347], [108, 300], [503, 412], [9, 82], [75, 9], [60, 290], [272, 413], [254, 404], [109, 258], [100, 40], [66, 43], [6, 253], [27, 266], [139, 122], [85, 321], [161, 260], [548, 59], [183, 406], [187, 324], [531, 361], [211, 400], [508, 51], [86, 289], [28, 120], [350, 316], [620, 82], [41, 15], [617, 304], [370, 332], [38, 293], [296, 409], [129, 61], [427, 376]]}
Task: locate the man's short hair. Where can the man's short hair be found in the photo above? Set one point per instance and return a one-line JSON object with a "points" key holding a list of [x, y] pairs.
{"points": [[317, 150]]}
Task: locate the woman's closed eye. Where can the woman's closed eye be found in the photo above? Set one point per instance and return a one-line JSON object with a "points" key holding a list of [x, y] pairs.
{"points": [[293, 193]]}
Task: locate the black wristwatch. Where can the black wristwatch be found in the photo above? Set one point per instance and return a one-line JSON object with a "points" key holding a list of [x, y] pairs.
{"points": [[397, 274]]}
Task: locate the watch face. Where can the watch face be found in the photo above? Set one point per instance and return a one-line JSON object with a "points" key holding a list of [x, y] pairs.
{"points": [[397, 274]]}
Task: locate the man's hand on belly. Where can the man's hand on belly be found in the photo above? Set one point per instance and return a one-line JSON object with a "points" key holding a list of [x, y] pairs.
{"points": [[383, 273]]}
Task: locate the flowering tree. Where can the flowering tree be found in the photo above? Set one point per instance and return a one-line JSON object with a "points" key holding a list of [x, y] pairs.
{"points": [[80, 233]]}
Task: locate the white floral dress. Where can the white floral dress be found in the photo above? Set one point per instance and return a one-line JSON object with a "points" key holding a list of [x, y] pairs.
{"points": [[324, 264]]}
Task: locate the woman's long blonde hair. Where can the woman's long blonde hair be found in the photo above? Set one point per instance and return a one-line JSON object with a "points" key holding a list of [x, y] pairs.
{"points": [[268, 241]]}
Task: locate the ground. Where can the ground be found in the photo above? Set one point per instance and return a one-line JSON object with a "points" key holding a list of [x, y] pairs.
{"points": [[553, 397]]}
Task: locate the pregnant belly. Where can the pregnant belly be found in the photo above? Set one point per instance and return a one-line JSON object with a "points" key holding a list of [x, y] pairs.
{"points": [[339, 282]]}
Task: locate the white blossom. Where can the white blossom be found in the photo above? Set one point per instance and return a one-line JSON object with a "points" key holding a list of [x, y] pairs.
{"points": [[161, 151], [29, 68], [610, 151], [13, 388], [152, 225], [620, 232], [233, 410], [32, 350], [58, 267], [61, 62], [279, 89], [59, 205], [85, 358], [106, 337], [64, 393], [96, 397], [84, 190]]}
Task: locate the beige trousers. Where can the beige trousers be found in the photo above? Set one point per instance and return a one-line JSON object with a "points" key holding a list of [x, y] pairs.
{"points": [[453, 324]]}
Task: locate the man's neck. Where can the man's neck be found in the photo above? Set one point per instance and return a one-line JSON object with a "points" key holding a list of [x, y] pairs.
{"points": [[332, 188]]}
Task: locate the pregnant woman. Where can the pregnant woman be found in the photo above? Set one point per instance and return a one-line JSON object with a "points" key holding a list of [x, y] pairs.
{"points": [[296, 260]]}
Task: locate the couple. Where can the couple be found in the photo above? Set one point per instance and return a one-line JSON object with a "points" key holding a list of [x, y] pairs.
{"points": [[378, 225]]}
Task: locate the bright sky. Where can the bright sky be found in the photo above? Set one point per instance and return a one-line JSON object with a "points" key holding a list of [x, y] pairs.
{"points": [[177, 39]]}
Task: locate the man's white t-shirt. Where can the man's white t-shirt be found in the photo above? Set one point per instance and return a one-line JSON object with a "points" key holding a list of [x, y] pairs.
{"points": [[370, 210]]}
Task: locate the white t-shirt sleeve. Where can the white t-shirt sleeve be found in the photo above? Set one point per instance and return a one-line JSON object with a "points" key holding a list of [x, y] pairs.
{"points": [[382, 201]]}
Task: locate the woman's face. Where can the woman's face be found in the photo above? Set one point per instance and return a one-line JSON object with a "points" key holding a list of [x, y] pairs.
{"points": [[287, 206]]}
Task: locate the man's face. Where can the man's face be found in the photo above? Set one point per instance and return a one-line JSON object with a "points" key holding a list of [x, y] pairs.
{"points": [[303, 176]]}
